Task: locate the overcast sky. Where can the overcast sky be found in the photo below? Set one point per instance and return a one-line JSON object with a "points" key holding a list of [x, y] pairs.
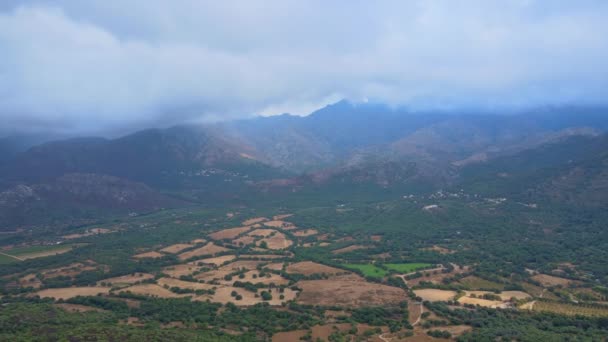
{"points": [[96, 66]]}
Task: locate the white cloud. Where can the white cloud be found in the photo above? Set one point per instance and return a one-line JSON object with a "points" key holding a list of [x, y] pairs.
{"points": [[96, 66]]}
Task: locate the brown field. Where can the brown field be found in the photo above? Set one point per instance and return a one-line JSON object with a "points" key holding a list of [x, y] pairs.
{"points": [[277, 241], [262, 232], [178, 247], [308, 268], [481, 302], [241, 264], [307, 232], [281, 217], [376, 238], [243, 240], [151, 290], [277, 266], [229, 233], [197, 241], [322, 332], [433, 295], [289, 336], [436, 277], [263, 256], [30, 280], [208, 249], [348, 249], [218, 261], [278, 224], [213, 275], [457, 330], [184, 284], [270, 278], [179, 270], [324, 244], [127, 279], [70, 292], [77, 307], [348, 293], [67, 271], [254, 220], [549, 280], [507, 295], [222, 295], [152, 254]]}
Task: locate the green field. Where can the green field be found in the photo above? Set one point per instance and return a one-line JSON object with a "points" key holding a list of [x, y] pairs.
{"points": [[27, 251], [368, 270], [407, 267], [5, 259]]}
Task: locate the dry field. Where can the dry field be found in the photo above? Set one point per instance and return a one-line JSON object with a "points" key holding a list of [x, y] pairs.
{"points": [[289, 336], [151, 290], [348, 293], [549, 280], [127, 279], [178, 247], [262, 232], [278, 224], [348, 249], [507, 295], [269, 278], [197, 241], [277, 266], [179, 270], [433, 295], [481, 302], [70, 292], [208, 249], [243, 241], [308, 268], [184, 284], [437, 277], [254, 220], [218, 261], [213, 275], [281, 217], [67, 271], [229, 233], [277, 241], [376, 238], [457, 330], [223, 295], [30, 280], [152, 254], [241, 264], [263, 256], [307, 232]]}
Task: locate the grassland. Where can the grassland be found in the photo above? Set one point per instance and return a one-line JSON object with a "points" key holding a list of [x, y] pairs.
{"points": [[407, 267], [368, 270], [6, 259], [31, 252]]}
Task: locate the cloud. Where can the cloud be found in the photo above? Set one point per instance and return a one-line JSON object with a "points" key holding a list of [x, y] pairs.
{"points": [[101, 66]]}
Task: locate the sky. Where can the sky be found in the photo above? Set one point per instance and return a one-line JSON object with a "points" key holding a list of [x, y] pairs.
{"points": [[101, 66]]}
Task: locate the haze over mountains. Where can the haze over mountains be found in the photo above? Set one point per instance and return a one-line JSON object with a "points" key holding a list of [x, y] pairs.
{"points": [[556, 153]]}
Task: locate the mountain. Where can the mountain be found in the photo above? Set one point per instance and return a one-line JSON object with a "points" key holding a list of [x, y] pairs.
{"points": [[343, 148], [76, 198], [571, 170], [163, 158]]}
